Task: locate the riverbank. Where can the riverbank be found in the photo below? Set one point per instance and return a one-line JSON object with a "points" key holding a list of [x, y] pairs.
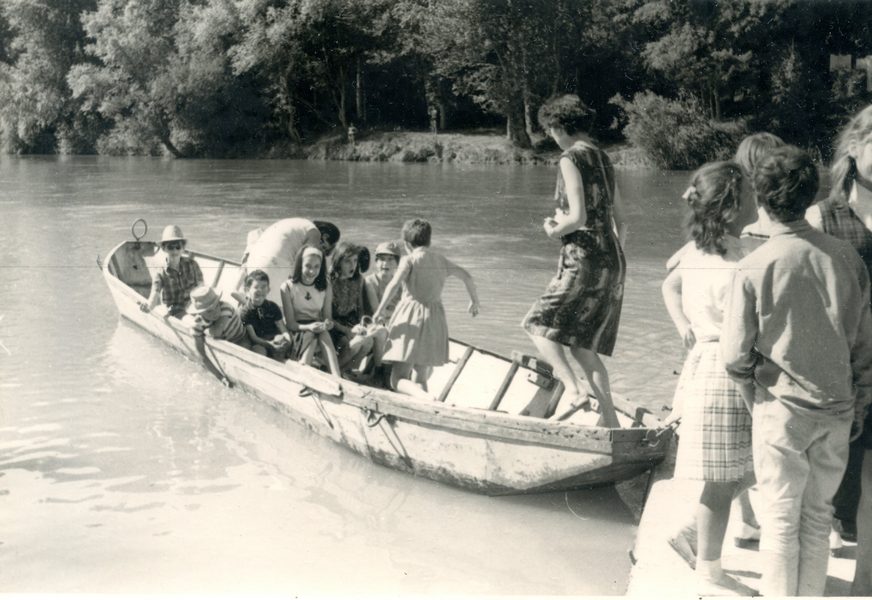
{"points": [[462, 148]]}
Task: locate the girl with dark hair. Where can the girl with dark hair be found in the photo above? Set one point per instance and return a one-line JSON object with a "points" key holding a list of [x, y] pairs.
{"points": [[349, 338], [715, 442], [581, 307], [307, 304], [847, 215]]}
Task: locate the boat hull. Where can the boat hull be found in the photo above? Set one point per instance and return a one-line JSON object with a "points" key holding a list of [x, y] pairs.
{"points": [[479, 450]]}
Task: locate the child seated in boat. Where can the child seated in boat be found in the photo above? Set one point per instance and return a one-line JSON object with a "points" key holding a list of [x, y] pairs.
{"points": [[387, 259], [351, 340], [418, 331], [262, 319], [208, 315], [175, 276], [307, 300]]}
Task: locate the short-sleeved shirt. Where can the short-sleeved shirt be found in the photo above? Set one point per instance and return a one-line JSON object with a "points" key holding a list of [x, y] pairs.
{"points": [[228, 325], [262, 318], [308, 301], [175, 285], [372, 282]]}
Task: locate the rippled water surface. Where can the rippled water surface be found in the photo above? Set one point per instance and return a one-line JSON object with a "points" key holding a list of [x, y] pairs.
{"points": [[126, 468]]}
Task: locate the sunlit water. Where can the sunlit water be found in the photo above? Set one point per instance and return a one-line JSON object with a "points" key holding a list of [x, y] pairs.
{"points": [[126, 468]]}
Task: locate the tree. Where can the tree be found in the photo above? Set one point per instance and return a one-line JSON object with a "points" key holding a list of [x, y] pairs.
{"points": [[41, 42], [162, 77]]}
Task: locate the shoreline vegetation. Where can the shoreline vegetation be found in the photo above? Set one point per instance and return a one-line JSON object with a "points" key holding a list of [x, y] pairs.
{"points": [[683, 82], [451, 147]]}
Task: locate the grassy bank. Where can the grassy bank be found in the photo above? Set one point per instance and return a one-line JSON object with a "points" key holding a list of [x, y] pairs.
{"points": [[465, 148]]}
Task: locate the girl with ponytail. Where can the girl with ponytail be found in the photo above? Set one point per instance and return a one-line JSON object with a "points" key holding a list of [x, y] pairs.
{"points": [[715, 445]]}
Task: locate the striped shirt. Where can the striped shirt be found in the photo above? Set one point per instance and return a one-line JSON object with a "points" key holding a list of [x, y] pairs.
{"points": [[228, 326]]}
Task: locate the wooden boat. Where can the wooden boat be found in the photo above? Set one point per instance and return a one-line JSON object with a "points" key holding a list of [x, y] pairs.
{"points": [[487, 433]]}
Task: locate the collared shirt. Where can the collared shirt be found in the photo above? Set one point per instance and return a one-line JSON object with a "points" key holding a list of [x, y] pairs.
{"points": [[175, 285], [262, 318], [228, 325], [797, 321]]}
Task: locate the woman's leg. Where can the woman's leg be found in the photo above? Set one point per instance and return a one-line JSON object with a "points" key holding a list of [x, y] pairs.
{"points": [[598, 379], [361, 347], [712, 518], [553, 353]]}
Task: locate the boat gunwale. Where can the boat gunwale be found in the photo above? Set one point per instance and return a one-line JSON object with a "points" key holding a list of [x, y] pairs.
{"points": [[467, 421]]}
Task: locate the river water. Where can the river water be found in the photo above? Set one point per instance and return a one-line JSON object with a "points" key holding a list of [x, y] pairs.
{"points": [[127, 469]]}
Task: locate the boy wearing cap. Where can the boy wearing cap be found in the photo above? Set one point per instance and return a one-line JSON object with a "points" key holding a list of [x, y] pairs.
{"points": [[177, 275], [387, 259], [208, 315]]}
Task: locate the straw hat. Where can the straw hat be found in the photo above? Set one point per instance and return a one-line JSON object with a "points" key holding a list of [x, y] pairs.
{"points": [[172, 233], [392, 248], [203, 298]]}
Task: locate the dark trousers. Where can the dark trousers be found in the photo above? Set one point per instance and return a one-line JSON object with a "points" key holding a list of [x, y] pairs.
{"points": [[847, 498]]}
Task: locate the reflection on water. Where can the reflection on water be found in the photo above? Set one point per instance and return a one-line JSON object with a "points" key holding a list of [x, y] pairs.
{"points": [[124, 467]]}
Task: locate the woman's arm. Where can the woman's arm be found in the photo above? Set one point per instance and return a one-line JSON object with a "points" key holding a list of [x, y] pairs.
{"points": [[671, 289], [394, 286], [576, 216], [814, 217], [468, 281]]}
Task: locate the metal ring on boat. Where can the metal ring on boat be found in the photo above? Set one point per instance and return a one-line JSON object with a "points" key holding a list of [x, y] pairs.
{"points": [[133, 229]]}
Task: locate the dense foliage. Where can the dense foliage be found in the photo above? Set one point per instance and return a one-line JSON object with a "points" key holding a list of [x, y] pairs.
{"points": [[239, 77]]}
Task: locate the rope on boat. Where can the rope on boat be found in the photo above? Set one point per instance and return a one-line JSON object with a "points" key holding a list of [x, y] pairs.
{"points": [[373, 418], [653, 437]]}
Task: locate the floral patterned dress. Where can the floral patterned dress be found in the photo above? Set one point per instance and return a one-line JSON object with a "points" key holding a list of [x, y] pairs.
{"points": [[581, 306]]}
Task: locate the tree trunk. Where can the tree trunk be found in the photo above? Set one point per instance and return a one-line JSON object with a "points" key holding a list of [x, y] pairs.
{"points": [[515, 130], [359, 100], [528, 116]]}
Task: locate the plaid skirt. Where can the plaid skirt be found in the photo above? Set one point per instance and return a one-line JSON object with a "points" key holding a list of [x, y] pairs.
{"points": [[715, 433]]}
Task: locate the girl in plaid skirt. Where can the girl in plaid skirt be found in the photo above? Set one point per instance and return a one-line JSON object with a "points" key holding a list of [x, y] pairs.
{"points": [[715, 444]]}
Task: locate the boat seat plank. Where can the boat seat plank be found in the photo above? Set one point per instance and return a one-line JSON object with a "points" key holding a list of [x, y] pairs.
{"points": [[479, 381], [440, 375]]}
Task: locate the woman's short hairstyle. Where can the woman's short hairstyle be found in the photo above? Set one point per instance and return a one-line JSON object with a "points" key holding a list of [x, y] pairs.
{"points": [[416, 232], [714, 197], [567, 112], [297, 275], [786, 183]]}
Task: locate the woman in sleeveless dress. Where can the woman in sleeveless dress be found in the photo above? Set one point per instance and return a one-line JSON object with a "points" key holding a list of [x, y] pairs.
{"points": [[847, 215], [581, 307]]}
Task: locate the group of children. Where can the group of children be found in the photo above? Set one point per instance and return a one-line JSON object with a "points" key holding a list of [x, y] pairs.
{"points": [[778, 377], [329, 311]]}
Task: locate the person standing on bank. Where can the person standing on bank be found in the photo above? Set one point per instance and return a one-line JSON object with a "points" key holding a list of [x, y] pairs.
{"points": [[847, 215], [581, 307]]}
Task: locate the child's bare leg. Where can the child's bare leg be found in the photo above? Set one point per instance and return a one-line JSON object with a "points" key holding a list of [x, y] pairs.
{"points": [[330, 353], [307, 354], [358, 347], [401, 381], [420, 375], [379, 339], [598, 379]]}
